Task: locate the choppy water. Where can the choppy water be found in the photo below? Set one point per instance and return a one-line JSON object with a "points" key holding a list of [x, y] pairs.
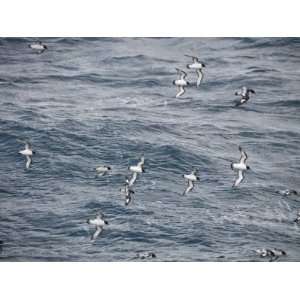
{"points": [[87, 102]]}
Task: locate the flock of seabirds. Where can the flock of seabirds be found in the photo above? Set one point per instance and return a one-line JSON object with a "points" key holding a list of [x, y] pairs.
{"points": [[239, 167]]}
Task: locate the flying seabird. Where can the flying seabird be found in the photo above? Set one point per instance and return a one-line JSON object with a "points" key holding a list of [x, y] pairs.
{"points": [[240, 167], [102, 170], [197, 65], [181, 82], [144, 255], [274, 254], [244, 92], [139, 168], [99, 223], [287, 192], [191, 178], [28, 152], [38, 46], [128, 192]]}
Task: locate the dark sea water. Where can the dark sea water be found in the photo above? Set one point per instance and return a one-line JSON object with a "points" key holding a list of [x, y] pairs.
{"points": [[94, 101]]}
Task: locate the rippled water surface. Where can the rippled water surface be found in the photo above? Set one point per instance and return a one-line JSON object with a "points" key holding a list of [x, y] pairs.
{"points": [[94, 101]]}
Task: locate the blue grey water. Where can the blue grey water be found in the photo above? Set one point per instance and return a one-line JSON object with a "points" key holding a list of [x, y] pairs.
{"points": [[94, 101]]}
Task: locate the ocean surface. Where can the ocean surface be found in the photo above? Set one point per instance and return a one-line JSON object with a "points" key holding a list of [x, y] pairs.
{"points": [[107, 101]]}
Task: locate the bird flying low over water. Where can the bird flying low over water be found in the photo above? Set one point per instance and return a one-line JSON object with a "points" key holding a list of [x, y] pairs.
{"points": [[241, 167], [139, 168], [38, 46], [144, 255], [102, 170], [244, 92], [274, 254], [128, 192], [197, 65], [191, 178], [180, 83], [27, 152], [287, 192], [99, 223]]}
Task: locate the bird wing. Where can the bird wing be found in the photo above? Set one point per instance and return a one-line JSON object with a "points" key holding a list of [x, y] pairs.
{"points": [[97, 232], [181, 91], [100, 215], [244, 91], [141, 162], [133, 179], [239, 179], [195, 59], [181, 73], [244, 156], [189, 187], [200, 76], [28, 162]]}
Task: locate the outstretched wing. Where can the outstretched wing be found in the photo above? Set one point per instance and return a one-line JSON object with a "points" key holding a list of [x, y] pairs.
{"points": [[181, 91], [239, 179], [200, 76], [141, 162], [133, 179], [244, 155], [182, 73], [28, 162], [189, 187], [96, 233], [194, 58]]}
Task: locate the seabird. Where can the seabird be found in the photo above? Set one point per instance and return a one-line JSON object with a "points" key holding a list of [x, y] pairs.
{"points": [[274, 254], [144, 255], [127, 191], [197, 65], [244, 92], [297, 220], [139, 168], [102, 170], [240, 167], [99, 223], [39, 46], [28, 152], [181, 82], [191, 178], [287, 192]]}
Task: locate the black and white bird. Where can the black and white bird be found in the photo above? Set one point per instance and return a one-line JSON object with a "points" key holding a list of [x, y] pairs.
{"points": [[27, 152], [274, 253], [240, 167], [297, 220], [139, 168], [197, 65], [244, 92], [191, 178], [99, 223], [38, 46], [181, 83], [287, 192], [128, 192], [144, 255], [102, 170]]}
